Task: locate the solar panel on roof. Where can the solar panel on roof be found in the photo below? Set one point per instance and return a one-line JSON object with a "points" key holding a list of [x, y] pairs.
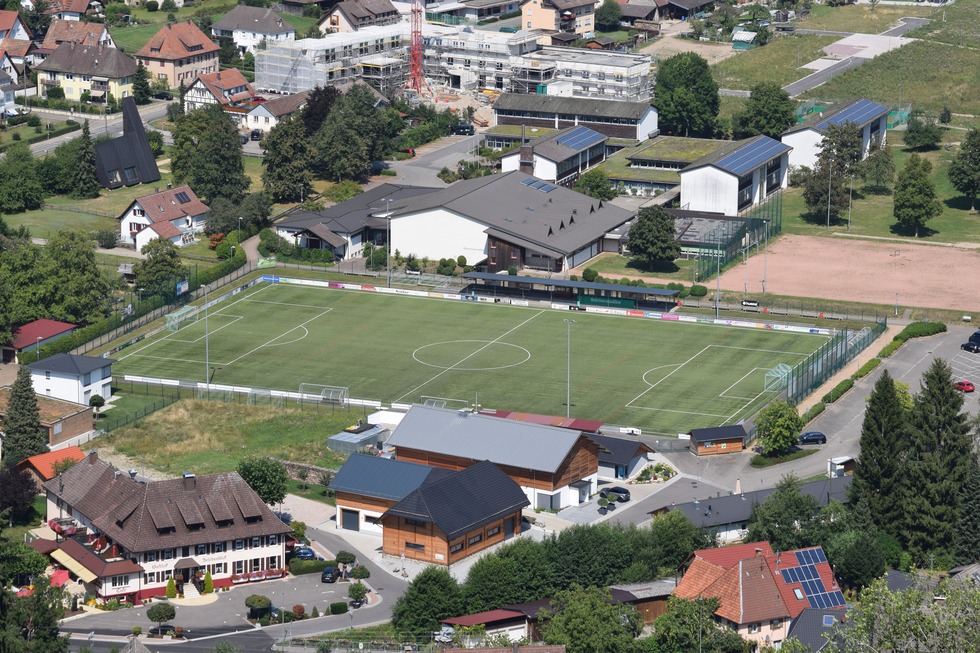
{"points": [[579, 138], [751, 156], [801, 558], [182, 197], [547, 188], [858, 113], [818, 553], [837, 599], [529, 181], [820, 601]]}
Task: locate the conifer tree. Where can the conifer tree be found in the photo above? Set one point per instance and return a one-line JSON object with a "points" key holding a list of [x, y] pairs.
{"points": [[936, 467], [85, 184], [141, 85], [883, 436], [23, 436], [968, 519]]}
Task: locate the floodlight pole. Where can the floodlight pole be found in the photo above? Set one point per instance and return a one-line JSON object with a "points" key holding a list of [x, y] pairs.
{"points": [[568, 382], [765, 258], [239, 230], [850, 200], [207, 353], [717, 276], [388, 238], [830, 176]]}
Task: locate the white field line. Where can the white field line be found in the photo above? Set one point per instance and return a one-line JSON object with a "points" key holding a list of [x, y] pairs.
{"points": [[262, 301], [459, 362], [211, 331], [668, 410], [269, 342], [722, 393], [680, 366]]}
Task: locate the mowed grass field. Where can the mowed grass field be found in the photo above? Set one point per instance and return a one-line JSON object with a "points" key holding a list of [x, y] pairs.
{"points": [[664, 377]]}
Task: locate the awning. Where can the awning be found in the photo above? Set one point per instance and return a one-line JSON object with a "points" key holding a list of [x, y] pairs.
{"points": [[97, 94], [186, 563], [73, 566], [59, 578], [100, 79]]}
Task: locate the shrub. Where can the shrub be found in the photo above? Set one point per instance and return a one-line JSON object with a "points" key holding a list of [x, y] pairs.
{"points": [[590, 275], [314, 613], [814, 410], [223, 250], [298, 611], [152, 5], [312, 11], [461, 261], [512, 270], [208, 583], [360, 572], [264, 620], [890, 348], [56, 93], [106, 238], [16, 136], [867, 368], [338, 607], [387, 172], [921, 330], [155, 140], [171, 589], [343, 191], [697, 290], [168, 6], [33, 120], [838, 391], [137, 631], [300, 567], [178, 631]]}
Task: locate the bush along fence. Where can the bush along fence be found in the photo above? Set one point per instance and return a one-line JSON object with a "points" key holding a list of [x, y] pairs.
{"points": [[914, 330], [68, 127]]}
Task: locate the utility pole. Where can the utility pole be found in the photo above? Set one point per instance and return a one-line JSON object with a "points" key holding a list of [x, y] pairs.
{"points": [[830, 176], [568, 383]]}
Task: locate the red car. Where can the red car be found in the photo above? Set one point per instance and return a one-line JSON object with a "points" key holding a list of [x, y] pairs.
{"points": [[964, 386]]}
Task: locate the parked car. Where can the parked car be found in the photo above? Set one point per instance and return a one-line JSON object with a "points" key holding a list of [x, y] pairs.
{"points": [[356, 603], [304, 553], [813, 437], [464, 130], [256, 134], [964, 386], [329, 575], [164, 95], [615, 493], [244, 139], [975, 337], [972, 347]]}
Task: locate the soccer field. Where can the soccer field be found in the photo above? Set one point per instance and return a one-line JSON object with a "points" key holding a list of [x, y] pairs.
{"points": [[664, 377]]}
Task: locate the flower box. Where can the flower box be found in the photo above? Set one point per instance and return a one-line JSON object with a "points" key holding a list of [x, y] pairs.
{"points": [[237, 580], [256, 575]]}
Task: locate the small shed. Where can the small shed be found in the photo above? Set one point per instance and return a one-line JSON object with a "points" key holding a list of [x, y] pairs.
{"points": [[356, 439], [841, 466], [743, 39], [601, 43], [718, 440], [564, 38], [621, 458]]}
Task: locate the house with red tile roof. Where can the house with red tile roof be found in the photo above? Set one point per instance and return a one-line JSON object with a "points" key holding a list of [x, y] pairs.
{"points": [[68, 9], [29, 337], [175, 214], [229, 88], [42, 466], [179, 53], [76, 31], [12, 26], [759, 591]]}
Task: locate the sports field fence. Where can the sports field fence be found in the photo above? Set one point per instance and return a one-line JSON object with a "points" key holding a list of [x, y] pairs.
{"points": [[734, 239]]}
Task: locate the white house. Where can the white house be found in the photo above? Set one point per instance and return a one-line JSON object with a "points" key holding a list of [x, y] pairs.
{"points": [[614, 118], [73, 378], [68, 9], [735, 177], [12, 27], [559, 158], [175, 214], [806, 138], [266, 115], [179, 527], [249, 27], [351, 15], [229, 88]]}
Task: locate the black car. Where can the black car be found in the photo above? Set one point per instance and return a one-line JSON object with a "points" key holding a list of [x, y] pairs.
{"points": [[243, 139], [304, 553], [464, 130], [164, 95], [256, 134], [813, 437], [972, 347], [615, 493], [975, 337], [356, 603], [329, 575]]}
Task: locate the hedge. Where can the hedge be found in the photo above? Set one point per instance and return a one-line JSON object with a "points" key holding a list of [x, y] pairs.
{"points": [[300, 567], [338, 608], [838, 391], [890, 348], [913, 330], [698, 290], [814, 410], [224, 268], [867, 368], [68, 127]]}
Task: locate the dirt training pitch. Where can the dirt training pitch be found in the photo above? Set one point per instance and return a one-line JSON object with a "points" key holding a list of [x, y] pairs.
{"points": [[868, 271]]}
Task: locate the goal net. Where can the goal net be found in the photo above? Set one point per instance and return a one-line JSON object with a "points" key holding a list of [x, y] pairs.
{"points": [[323, 394], [444, 402], [777, 377], [181, 317]]}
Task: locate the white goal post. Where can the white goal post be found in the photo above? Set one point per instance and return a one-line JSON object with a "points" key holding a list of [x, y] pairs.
{"points": [[181, 317], [331, 394], [777, 377], [444, 402]]}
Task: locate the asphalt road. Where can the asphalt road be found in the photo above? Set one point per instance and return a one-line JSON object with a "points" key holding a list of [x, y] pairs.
{"points": [[444, 153], [98, 125], [822, 76], [907, 25]]}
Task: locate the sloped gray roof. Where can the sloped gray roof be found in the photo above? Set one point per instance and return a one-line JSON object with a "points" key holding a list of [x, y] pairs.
{"points": [[478, 437], [463, 501], [94, 60], [859, 112], [649, 589], [571, 105], [619, 451], [356, 213], [810, 629], [555, 218], [383, 478], [260, 20], [71, 364]]}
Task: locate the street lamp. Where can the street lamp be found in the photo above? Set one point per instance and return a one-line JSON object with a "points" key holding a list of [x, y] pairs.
{"points": [[37, 347], [388, 239], [239, 229], [207, 353], [568, 383]]}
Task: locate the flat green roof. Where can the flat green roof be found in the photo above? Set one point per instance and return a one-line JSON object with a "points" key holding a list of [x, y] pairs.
{"points": [[676, 148], [515, 130], [617, 167]]}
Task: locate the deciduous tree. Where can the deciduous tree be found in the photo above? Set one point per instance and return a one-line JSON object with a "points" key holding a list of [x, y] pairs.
{"points": [[608, 15], [878, 169], [922, 133], [20, 187], [79, 290], [207, 155], [254, 209], [319, 103], [266, 477], [341, 151], [690, 626], [823, 179], [23, 435], [161, 268], [161, 613], [786, 518], [915, 200], [585, 620], [595, 183], [662, 546], [286, 164], [17, 491], [779, 427], [770, 111], [686, 96], [432, 595], [652, 236], [843, 145], [588, 555], [490, 583], [29, 624], [964, 170]]}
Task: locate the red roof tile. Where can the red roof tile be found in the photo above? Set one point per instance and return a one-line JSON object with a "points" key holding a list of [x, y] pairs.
{"points": [[72, 31], [165, 206], [165, 230], [43, 463], [225, 81], [28, 334], [16, 47], [729, 556], [176, 42], [96, 564], [8, 19], [698, 577], [489, 617], [588, 425]]}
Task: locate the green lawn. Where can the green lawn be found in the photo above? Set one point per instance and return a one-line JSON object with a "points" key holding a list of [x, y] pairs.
{"points": [[779, 62], [871, 214], [614, 266], [209, 437], [301, 23], [130, 38], [860, 18], [927, 75], [665, 377], [44, 223], [958, 24], [29, 519]]}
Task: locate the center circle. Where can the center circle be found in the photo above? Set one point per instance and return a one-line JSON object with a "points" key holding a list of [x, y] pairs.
{"points": [[471, 355]]}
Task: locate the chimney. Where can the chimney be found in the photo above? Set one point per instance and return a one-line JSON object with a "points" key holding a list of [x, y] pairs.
{"points": [[190, 481], [115, 474], [169, 186], [92, 457], [758, 553], [132, 474]]}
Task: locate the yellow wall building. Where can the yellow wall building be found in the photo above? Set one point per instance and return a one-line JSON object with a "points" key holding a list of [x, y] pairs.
{"points": [[76, 68], [576, 16]]}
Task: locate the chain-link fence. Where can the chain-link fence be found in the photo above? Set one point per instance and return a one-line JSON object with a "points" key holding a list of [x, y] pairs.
{"points": [[834, 354], [734, 238]]}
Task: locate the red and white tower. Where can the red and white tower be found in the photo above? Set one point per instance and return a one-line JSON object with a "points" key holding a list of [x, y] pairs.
{"points": [[416, 73]]}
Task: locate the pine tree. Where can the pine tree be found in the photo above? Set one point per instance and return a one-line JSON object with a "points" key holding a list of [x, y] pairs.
{"points": [[85, 183], [22, 427], [937, 463], [968, 519], [876, 476], [141, 85]]}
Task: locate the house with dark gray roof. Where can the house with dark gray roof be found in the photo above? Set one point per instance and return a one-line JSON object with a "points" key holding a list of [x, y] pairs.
{"points": [[806, 138], [613, 118], [621, 458], [736, 176], [816, 629], [249, 27], [126, 160], [73, 378], [183, 527], [365, 487], [352, 15], [556, 467], [98, 70], [718, 439], [559, 158], [450, 518]]}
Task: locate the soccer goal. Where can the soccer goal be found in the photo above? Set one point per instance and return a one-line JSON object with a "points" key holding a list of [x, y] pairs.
{"points": [[445, 402], [777, 377], [323, 394], [181, 318]]}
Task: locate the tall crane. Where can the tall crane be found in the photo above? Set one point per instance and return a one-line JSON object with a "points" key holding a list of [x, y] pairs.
{"points": [[416, 73]]}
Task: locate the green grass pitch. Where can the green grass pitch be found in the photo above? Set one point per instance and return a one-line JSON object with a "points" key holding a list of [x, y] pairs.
{"points": [[664, 377]]}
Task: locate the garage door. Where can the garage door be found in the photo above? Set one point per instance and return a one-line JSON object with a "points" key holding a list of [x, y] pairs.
{"points": [[350, 520]]}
